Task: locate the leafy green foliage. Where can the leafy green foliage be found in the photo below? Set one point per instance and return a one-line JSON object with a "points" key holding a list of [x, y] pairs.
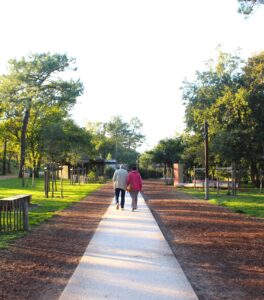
{"points": [[193, 154], [247, 7], [148, 168], [163, 155], [31, 88], [206, 97], [229, 95], [62, 140], [168, 151], [125, 134], [92, 176], [117, 139]]}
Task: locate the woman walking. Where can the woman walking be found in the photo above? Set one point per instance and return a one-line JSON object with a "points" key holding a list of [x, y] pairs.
{"points": [[134, 186]]}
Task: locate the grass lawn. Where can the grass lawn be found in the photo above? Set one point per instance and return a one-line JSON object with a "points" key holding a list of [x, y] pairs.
{"points": [[45, 207], [248, 202]]}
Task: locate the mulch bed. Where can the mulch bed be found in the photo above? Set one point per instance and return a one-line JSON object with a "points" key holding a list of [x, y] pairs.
{"points": [[39, 265], [221, 252]]}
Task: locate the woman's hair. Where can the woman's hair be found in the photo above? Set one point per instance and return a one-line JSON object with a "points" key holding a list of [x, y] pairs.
{"points": [[134, 168]]}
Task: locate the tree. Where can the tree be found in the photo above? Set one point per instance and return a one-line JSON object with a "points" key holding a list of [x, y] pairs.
{"points": [[103, 146], [247, 7], [193, 145], [116, 129], [232, 103], [167, 152], [134, 137], [32, 83], [217, 96], [210, 85], [63, 141], [9, 138], [253, 82], [117, 138]]}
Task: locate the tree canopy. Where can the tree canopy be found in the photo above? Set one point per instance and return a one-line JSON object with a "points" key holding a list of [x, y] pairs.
{"points": [[229, 95], [117, 139], [247, 7], [31, 89], [36, 126]]}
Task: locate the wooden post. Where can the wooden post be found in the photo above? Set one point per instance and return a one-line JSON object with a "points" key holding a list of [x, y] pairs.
{"points": [[20, 215], [261, 179], [52, 180], [71, 175], [25, 215], [0, 216], [206, 180], [233, 176], [194, 178], [23, 176], [46, 181], [61, 183], [4, 157], [78, 175]]}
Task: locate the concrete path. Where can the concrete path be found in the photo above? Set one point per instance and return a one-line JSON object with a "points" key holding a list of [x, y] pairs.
{"points": [[128, 258]]}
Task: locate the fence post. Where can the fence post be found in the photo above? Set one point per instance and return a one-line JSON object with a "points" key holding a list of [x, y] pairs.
{"points": [[25, 215], [261, 180], [206, 155]]}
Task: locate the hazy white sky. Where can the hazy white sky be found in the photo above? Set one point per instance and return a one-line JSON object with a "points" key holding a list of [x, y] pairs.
{"points": [[132, 56]]}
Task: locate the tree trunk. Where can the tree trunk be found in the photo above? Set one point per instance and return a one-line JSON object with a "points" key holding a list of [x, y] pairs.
{"points": [[23, 142], [116, 150], [4, 158], [38, 168], [9, 166], [165, 173], [253, 172]]}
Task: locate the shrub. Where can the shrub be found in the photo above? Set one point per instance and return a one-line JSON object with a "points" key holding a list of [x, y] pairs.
{"points": [[101, 179], [109, 172], [92, 177]]}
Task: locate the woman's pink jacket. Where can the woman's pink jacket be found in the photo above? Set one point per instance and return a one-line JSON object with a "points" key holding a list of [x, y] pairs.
{"points": [[135, 179]]}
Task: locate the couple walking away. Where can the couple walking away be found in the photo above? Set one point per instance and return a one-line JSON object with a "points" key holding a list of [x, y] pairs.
{"points": [[123, 181]]}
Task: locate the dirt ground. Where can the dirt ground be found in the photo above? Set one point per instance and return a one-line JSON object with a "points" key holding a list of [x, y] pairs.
{"points": [[221, 253]]}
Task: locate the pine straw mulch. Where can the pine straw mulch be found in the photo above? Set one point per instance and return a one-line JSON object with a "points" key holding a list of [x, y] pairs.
{"points": [[221, 252]]}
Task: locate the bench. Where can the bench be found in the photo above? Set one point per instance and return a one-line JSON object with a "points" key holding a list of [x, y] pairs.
{"points": [[14, 213]]}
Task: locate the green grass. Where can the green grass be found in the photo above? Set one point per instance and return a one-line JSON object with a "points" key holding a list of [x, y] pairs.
{"points": [[249, 202], [45, 207]]}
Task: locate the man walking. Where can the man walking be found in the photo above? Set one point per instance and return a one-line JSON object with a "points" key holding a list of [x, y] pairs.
{"points": [[119, 182]]}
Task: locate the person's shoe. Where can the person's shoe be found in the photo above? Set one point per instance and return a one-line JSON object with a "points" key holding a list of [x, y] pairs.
{"points": [[122, 208], [132, 209], [117, 205]]}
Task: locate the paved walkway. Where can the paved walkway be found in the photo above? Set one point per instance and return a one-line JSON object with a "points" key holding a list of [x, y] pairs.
{"points": [[128, 258]]}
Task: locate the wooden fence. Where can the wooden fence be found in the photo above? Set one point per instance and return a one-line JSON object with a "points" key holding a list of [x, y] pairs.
{"points": [[14, 213]]}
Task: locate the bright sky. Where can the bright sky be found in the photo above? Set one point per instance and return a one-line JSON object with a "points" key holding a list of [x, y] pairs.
{"points": [[132, 55]]}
